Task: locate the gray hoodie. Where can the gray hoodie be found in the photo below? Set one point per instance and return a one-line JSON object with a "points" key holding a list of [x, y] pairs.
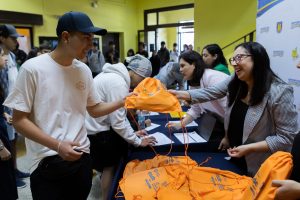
{"points": [[170, 75], [112, 85]]}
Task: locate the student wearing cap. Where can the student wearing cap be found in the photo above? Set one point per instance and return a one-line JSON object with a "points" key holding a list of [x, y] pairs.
{"points": [[50, 99], [114, 130], [139, 68], [8, 76]]}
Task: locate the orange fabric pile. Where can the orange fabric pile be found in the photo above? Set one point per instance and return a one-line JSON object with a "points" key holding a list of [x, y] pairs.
{"points": [[181, 178]]}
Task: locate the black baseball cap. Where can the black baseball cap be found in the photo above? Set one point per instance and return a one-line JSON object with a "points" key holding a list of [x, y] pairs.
{"points": [[77, 21], [8, 30]]}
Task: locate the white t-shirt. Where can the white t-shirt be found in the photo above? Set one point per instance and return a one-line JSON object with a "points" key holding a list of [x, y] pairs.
{"points": [[56, 97]]}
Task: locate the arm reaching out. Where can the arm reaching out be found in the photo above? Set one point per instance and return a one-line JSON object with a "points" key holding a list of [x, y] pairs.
{"points": [[182, 95]]}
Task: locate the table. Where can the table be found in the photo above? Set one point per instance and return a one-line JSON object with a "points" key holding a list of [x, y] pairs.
{"points": [[177, 146], [217, 161], [197, 151]]}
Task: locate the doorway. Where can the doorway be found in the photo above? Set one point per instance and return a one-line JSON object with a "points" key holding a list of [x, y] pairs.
{"points": [[114, 37], [163, 24]]}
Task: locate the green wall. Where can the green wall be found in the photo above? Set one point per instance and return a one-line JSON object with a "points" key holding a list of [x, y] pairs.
{"points": [[115, 16], [223, 21], [218, 21], [223, 24]]}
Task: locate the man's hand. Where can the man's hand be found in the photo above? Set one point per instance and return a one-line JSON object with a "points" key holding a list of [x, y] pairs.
{"points": [[5, 154], [287, 189], [148, 122], [148, 141], [174, 126], [141, 133], [66, 150]]}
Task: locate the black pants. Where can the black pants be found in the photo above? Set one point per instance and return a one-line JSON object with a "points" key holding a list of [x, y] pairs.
{"points": [[56, 179], [107, 149]]}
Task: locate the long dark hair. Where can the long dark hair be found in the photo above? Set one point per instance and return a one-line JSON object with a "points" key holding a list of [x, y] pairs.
{"points": [[261, 72], [193, 57], [215, 49]]}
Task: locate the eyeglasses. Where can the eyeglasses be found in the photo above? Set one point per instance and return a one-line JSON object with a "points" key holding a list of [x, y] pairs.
{"points": [[238, 58]]}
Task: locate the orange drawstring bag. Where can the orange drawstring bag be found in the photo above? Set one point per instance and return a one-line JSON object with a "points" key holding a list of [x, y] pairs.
{"points": [[277, 167], [211, 183], [189, 181], [136, 166], [143, 179], [168, 194], [152, 96], [144, 185]]}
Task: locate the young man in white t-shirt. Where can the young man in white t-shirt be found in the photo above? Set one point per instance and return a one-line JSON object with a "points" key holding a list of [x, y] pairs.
{"points": [[50, 99]]}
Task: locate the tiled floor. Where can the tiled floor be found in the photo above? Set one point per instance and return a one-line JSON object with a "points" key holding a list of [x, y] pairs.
{"points": [[23, 165]]}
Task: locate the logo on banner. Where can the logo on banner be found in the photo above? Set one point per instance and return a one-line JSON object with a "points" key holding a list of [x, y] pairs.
{"points": [[264, 29], [295, 53], [278, 53], [295, 24], [279, 27]]}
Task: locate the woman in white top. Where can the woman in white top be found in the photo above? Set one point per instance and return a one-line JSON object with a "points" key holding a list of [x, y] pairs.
{"points": [[198, 75]]}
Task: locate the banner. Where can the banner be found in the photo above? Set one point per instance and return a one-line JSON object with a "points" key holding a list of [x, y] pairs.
{"points": [[278, 30]]}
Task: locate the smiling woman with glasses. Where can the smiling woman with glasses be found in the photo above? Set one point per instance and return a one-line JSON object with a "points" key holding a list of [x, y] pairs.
{"points": [[236, 59], [260, 117]]}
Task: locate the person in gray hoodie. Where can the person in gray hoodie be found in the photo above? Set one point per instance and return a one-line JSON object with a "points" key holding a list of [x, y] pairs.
{"points": [[109, 135], [170, 76]]}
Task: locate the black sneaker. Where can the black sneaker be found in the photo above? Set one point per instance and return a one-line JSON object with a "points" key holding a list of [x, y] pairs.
{"points": [[20, 183], [20, 174]]}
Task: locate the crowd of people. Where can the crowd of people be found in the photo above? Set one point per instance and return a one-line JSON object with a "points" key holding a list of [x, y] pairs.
{"points": [[253, 107]]}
